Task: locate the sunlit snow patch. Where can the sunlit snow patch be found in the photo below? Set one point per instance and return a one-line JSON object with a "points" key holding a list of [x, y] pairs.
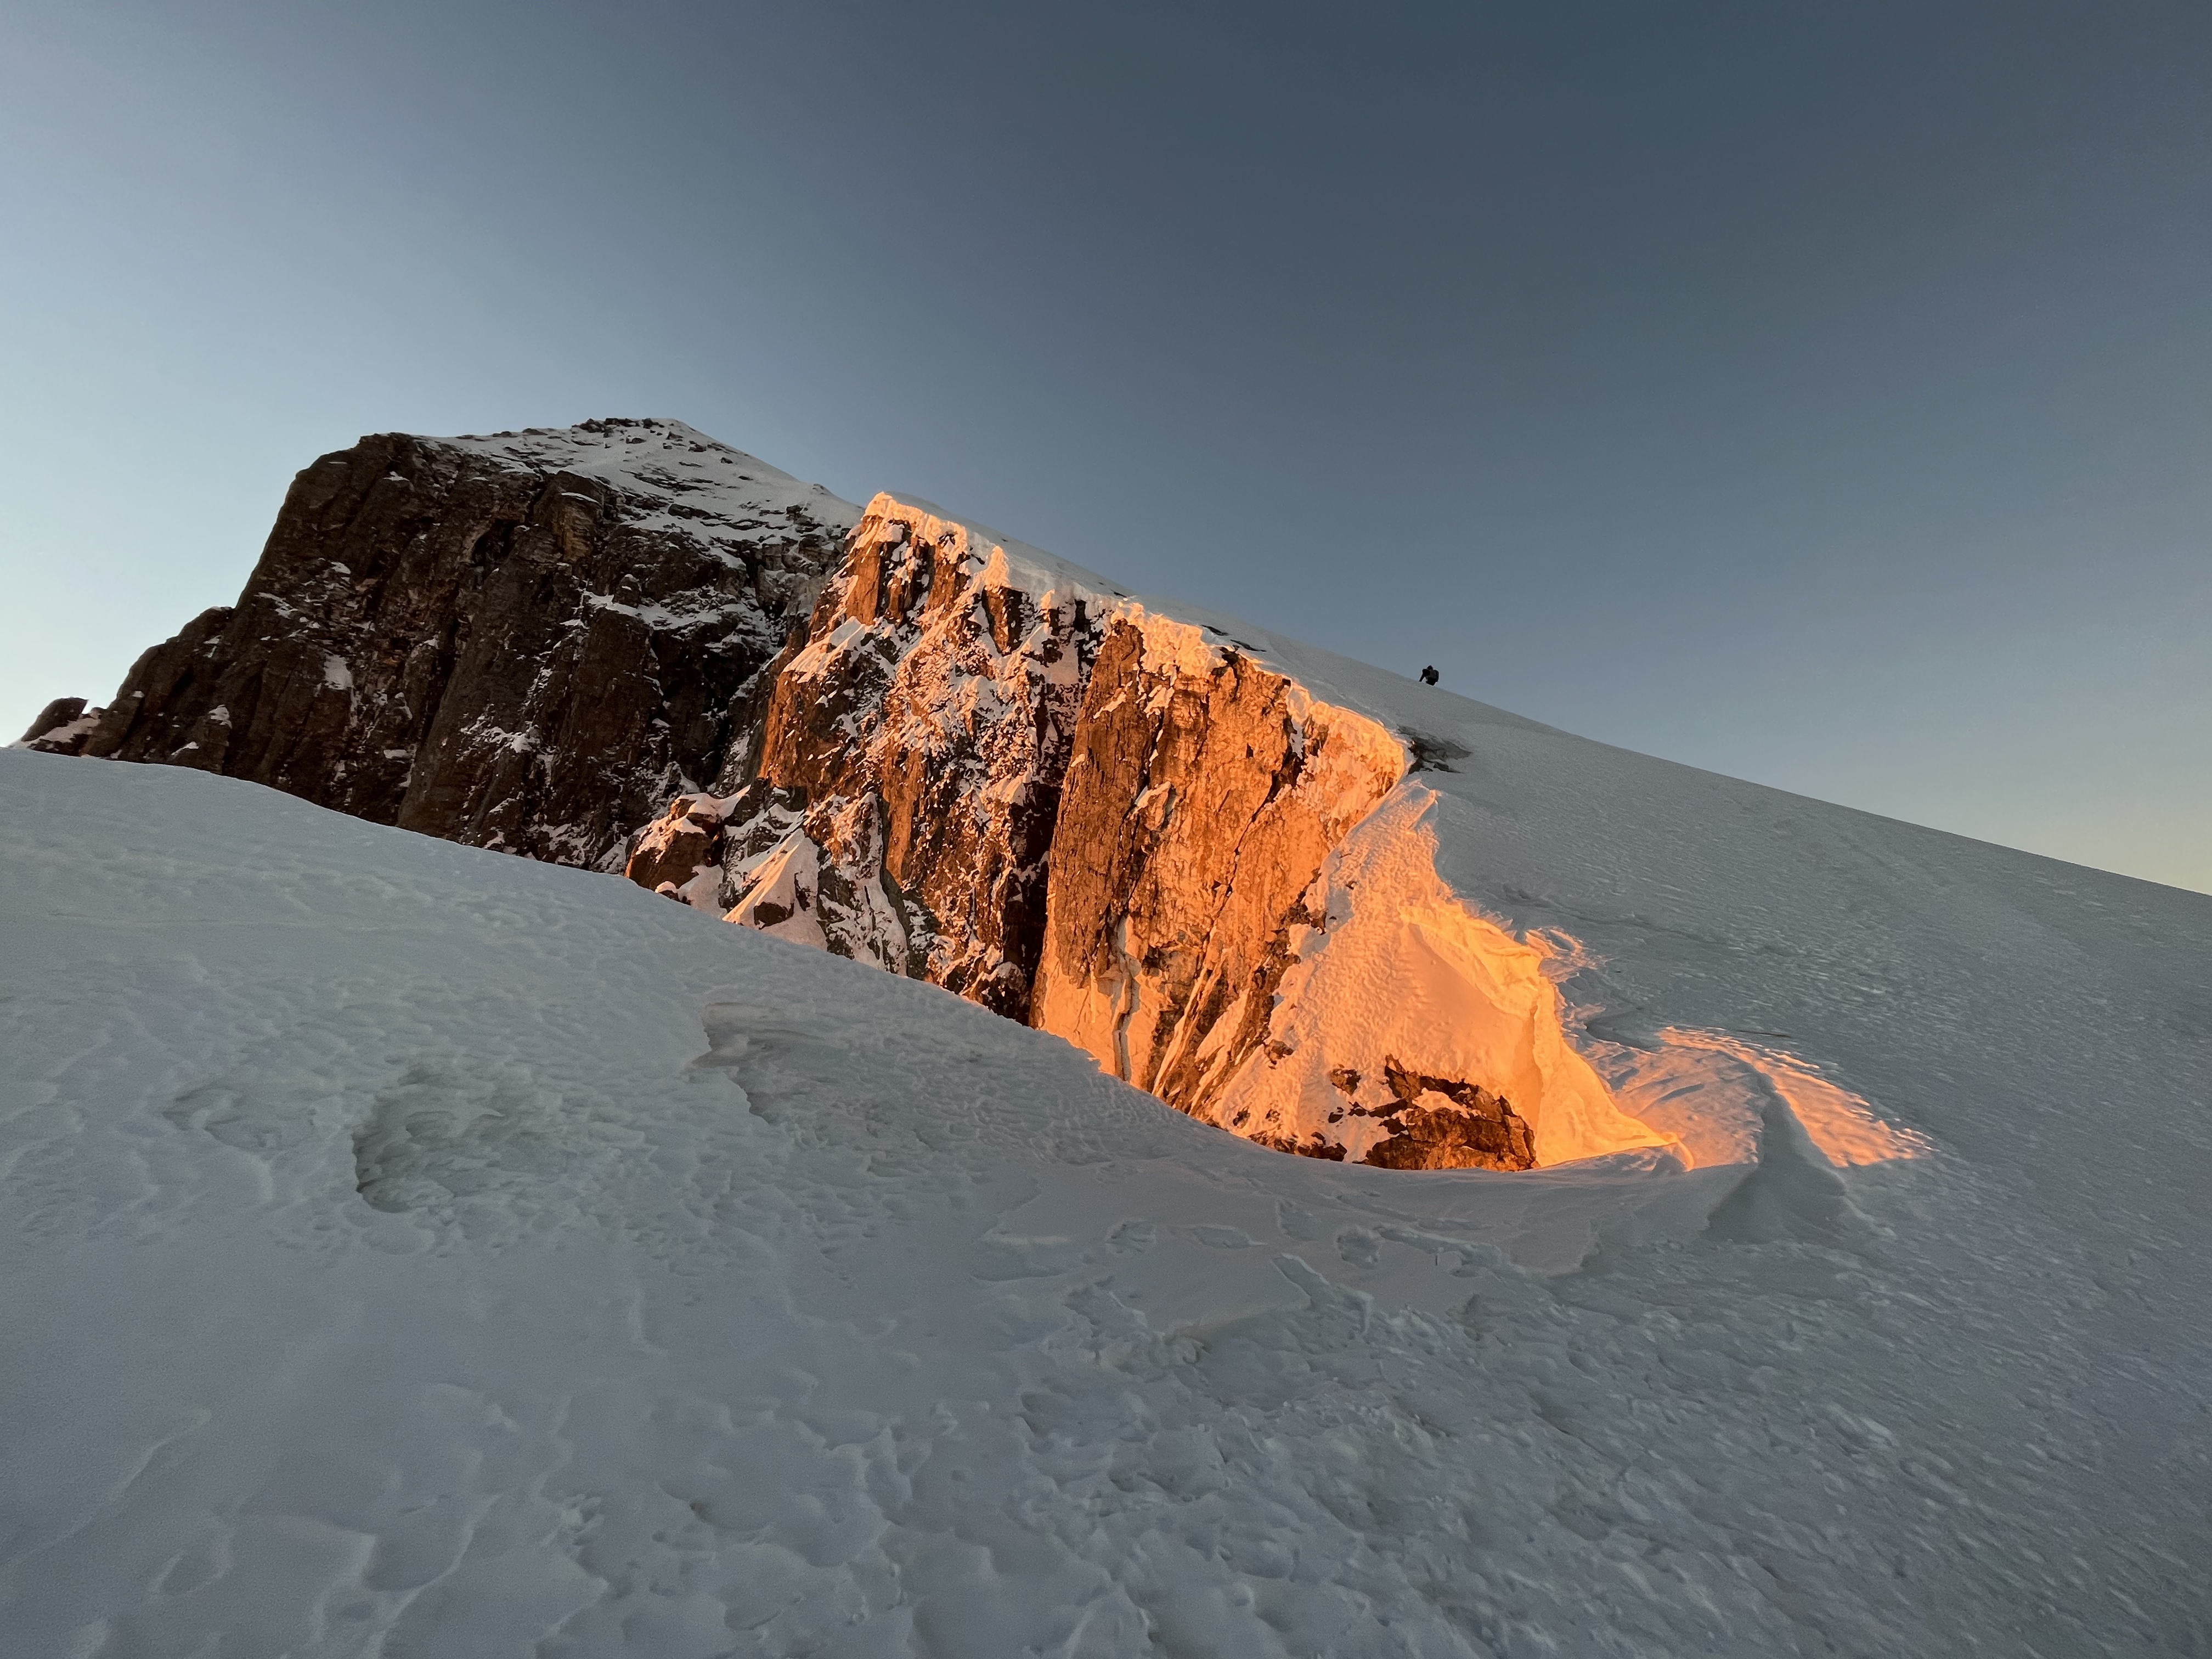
{"points": [[1844, 1127], [1402, 976]]}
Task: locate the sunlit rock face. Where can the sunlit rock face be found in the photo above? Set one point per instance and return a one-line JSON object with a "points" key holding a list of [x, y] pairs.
{"points": [[1204, 794], [926, 727], [989, 771], [527, 642]]}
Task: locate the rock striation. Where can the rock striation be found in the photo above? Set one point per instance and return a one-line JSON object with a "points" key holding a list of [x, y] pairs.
{"points": [[527, 642]]}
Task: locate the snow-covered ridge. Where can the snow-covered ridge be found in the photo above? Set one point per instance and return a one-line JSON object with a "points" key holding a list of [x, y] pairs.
{"points": [[691, 484], [1000, 559]]}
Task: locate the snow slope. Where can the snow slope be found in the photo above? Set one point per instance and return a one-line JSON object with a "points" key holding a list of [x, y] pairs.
{"points": [[411, 1250]]}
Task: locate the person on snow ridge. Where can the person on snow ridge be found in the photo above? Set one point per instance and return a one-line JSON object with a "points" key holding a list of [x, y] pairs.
{"points": [[1429, 676]]}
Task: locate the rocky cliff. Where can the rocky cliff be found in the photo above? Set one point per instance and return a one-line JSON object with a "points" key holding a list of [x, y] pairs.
{"points": [[901, 805], [527, 642], [987, 769], [63, 727], [894, 735], [1205, 792]]}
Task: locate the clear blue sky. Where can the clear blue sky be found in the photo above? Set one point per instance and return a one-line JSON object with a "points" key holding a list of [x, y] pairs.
{"points": [[1819, 394]]}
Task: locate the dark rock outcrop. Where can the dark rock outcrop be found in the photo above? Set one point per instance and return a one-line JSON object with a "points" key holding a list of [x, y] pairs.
{"points": [[528, 641], [63, 727], [678, 845], [1439, 1123]]}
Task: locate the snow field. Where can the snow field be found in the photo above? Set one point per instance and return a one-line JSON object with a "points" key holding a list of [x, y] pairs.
{"points": [[413, 1250]]}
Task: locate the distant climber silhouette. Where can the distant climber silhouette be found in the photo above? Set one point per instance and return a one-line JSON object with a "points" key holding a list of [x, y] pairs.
{"points": [[1429, 675]]}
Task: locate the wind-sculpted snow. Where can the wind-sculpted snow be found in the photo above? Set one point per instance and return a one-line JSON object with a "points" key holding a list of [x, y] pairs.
{"points": [[410, 1250], [1395, 977]]}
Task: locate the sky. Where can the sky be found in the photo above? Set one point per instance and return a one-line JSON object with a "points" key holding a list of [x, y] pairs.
{"points": [[1817, 394]]}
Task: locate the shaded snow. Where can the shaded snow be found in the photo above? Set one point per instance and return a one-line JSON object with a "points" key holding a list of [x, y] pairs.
{"points": [[411, 1249]]}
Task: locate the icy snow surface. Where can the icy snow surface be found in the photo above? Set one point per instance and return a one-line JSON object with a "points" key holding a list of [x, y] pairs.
{"points": [[412, 1250]]}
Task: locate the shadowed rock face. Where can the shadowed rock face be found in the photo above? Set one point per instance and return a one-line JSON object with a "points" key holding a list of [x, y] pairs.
{"points": [[63, 727], [675, 848], [527, 642]]}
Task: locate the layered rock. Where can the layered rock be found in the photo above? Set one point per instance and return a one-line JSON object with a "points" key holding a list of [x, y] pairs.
{"points": [[527, 642]]}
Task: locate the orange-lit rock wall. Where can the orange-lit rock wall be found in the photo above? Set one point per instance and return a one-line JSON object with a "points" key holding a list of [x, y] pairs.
{"points": [[983, 772], [1203, 795], [924, 727]]}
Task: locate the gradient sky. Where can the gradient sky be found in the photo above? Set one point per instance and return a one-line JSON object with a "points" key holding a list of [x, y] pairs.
{"points": [[1817, 393]]}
